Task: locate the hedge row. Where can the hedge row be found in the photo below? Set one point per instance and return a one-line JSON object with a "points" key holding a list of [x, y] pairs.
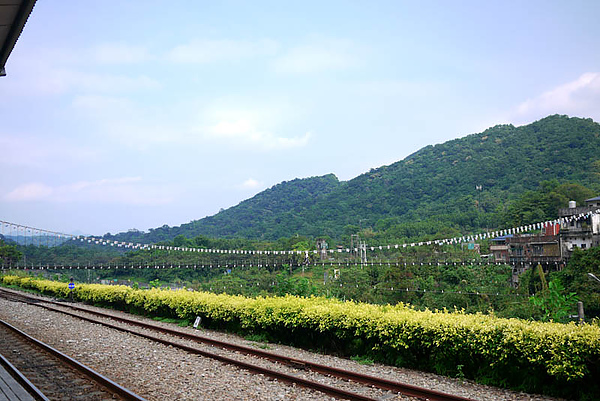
{"points": [[558, 359]]}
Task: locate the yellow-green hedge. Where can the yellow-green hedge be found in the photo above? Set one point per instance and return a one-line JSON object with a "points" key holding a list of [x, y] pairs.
{"points": [[533, 356]]}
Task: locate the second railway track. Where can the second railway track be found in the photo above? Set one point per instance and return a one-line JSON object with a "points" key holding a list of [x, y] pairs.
{"points": [[53, 375]]}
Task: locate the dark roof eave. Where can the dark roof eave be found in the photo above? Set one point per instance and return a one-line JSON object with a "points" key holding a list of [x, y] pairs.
{"points": [[15, 31]]}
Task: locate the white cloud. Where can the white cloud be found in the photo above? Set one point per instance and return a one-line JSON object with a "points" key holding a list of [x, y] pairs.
{"points": [[57, 81], [29, 192], [55, 72], [577, 98], [407, 89], [244, 132], [110, 82], [317, 56], [101, 104], [63, 80], [120, 53], [124, 120], [238, 128], [124, 190], [209, 51], [250, 123], [288, 143], [42, 152], [251, 183]]}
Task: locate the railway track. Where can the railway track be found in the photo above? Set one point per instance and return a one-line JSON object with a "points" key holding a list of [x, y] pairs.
{"points": [[52, 375], [164, 336]]}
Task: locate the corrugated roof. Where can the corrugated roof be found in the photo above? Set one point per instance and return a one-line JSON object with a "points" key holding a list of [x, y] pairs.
{"points": [[503, 237], [13, 16]]}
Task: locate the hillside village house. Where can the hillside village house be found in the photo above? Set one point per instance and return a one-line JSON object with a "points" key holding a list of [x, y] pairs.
{"points": [[583, 233], [554, 245]]}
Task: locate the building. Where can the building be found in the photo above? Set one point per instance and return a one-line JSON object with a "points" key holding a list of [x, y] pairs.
{"points": [[580, 226], [499, 248], [523, 252], [529, 249]]}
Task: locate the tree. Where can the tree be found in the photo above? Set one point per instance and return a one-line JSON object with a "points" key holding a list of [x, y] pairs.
{"points": [[555, 304], [180, 241], [596, 171], [575, 278], [9, 254]]}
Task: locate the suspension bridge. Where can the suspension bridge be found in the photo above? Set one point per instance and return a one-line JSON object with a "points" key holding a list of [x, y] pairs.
{"points": [[232, 258]]}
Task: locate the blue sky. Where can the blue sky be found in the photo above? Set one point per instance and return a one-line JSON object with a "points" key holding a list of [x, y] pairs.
{"points": [[142, 113]]}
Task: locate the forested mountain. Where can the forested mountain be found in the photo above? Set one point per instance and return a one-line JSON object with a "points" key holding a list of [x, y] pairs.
{"points": [[460, 185]]}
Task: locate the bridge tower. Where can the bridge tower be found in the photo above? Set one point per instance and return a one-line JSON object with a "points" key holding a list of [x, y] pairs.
{"points": [[322, 248]]}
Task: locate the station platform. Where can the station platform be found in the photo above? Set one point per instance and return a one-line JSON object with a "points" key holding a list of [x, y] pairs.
{"points": [[10, 389]]}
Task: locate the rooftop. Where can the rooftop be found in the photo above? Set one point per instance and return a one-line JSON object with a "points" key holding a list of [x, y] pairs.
{"points": [[503, 237], [13, 16]]}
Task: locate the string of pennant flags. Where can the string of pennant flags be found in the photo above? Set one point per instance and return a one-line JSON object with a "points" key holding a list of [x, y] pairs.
{"points": [[446, 241]]}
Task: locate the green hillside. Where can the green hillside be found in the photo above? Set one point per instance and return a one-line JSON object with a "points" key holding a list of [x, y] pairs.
{"points": [[432, 191]]}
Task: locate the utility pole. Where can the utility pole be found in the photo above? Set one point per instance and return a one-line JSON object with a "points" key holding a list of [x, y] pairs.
{"points": [[363, 252], [354, 244], [359, 248]]}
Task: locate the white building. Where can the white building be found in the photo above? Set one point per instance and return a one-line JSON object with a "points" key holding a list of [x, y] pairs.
{"points": [[584, 232]]}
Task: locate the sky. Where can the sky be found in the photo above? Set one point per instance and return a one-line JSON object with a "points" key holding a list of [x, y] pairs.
{"points": [[136, 114]]}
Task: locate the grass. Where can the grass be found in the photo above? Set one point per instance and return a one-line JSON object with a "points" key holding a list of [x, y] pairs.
{"points": [[260, 340], [179, 322], [257, 337], [363, 359]]}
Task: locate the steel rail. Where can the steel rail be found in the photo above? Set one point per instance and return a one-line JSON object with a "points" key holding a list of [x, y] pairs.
{"points": [[385, 384], [114, 387], [22, 380]]}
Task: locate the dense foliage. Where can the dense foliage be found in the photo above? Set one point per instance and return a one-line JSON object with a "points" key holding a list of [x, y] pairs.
{"points": [[576, 279], [434, 190], [9, 253], [558, 359], [70, 253], [543, 203]]}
